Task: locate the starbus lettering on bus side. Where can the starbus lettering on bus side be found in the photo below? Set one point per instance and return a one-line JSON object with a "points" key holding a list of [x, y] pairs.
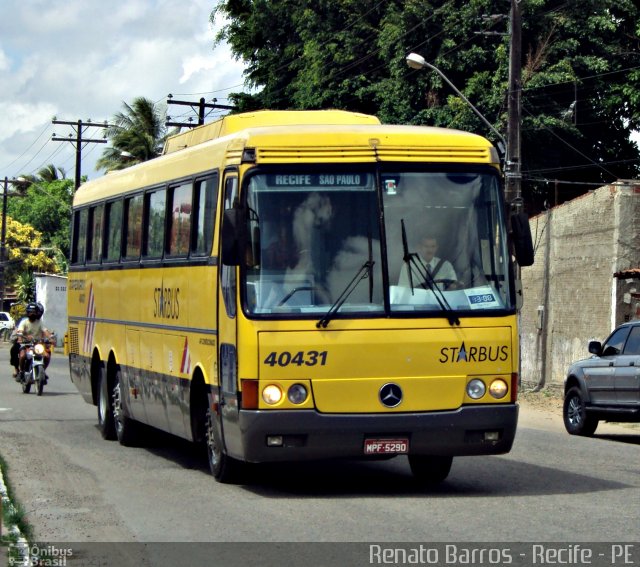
{"points": [[166, 302]]}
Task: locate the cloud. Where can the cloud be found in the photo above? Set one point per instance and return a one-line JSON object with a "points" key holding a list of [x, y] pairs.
{"points": [[80, 59], [4, 61], [195, 64], [23, 117]]}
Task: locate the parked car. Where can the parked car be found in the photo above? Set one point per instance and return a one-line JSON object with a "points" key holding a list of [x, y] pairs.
{"points": [[605, 387], [6, 322]]}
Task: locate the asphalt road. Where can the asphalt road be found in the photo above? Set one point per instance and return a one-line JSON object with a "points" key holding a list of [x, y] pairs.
{"points": [[77, 487]]}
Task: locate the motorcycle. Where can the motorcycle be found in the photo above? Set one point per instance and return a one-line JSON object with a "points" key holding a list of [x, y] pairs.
{"points": [[33, 372]]}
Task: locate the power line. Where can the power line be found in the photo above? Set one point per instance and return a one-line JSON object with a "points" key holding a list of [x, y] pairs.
{"points": [[79, 140], [47, 160], [200, 106], [586, 183], [34, 155], [588, 77], [30, 146], [583, 166], [572, 147]]}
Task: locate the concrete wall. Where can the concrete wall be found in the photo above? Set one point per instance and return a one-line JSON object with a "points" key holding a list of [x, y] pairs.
{"points": [[51, 291], [570, 293]]}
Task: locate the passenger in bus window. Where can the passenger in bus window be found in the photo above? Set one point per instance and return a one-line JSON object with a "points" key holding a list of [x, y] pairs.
{"points": [[279, 253], [441, 271], [311, 229]]}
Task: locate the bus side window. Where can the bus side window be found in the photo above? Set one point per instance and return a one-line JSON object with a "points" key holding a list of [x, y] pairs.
{"points": [[204, 217], [80, 236], [94, 242], [113, 236], [133, 226], [180, 206], [154, 223], [228, 273]]}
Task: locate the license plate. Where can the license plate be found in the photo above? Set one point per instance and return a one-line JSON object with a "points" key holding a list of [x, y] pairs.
{"points": [[386, 446]]}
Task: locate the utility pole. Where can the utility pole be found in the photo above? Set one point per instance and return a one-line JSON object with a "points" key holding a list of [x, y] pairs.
{"points": [[3, 234], [201, 105], [513, 164], [3, 242], [78, 142]]}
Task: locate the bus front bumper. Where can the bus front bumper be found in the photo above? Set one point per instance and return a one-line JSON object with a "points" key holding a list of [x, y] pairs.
{"points": [[307, 434]]}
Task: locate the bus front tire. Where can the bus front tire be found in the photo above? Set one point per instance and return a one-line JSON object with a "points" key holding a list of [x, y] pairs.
{"points": [[225, 469], [105, 411], [430, 469]]}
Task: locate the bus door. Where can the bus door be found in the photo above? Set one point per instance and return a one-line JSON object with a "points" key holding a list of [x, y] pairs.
{"points": [[227, 339]]}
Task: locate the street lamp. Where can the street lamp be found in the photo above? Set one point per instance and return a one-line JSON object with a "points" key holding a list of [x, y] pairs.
{"points": [[416, 61]]}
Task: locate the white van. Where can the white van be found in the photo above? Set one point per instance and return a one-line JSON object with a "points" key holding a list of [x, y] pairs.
{"points": [[6, 322]]}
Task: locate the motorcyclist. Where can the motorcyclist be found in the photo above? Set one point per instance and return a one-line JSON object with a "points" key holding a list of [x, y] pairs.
{"points": [[31, 328]]}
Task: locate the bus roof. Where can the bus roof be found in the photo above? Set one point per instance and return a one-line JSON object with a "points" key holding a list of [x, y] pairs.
{"points": [[283, 136], [236, 122]]}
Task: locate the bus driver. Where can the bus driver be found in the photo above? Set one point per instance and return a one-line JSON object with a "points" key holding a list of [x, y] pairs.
{"points": [[441, 270]]}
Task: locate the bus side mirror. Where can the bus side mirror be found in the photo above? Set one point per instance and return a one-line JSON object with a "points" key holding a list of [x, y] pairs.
{"points": [[233, 237], [522, 241], [240, 244]]}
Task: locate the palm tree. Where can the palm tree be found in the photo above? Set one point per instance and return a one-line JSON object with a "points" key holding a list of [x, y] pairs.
{"points": [[45, 175], [138, 134], [51, 173], [25, 287]]}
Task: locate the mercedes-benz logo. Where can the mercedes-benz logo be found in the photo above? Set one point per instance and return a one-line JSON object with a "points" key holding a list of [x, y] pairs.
{"points": [[391, 395]]}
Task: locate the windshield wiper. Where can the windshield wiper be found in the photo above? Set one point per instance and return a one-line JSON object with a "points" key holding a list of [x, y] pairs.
{"points": [[407, 256], [413, 261], [365, 271]]}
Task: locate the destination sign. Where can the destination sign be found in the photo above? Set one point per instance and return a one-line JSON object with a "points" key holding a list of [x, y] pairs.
{"points": [[326, 181]]}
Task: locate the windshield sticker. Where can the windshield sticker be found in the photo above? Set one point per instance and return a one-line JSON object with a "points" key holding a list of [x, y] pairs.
{"points": [[482, 298]]}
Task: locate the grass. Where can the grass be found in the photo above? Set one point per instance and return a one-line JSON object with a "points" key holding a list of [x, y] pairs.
{"points": [[12, 513]]}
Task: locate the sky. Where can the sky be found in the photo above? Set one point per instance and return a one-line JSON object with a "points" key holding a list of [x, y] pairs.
{"points": [[81, 59]]}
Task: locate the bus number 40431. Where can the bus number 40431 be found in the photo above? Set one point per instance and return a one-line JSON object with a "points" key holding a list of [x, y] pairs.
{"points": [[300, 358]]}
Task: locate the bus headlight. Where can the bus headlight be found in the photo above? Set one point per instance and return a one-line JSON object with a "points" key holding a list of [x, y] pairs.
{"points": [[498, 389], [272, 394], [297, 394], [476, 389]]}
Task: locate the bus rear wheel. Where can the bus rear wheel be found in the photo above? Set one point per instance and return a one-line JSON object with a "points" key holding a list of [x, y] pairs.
{"points": [[105, 411], [430, 469], [224, 468], [125, 427]]}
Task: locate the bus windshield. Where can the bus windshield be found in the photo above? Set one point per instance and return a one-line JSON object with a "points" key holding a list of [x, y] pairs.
{"points": [[372, 242]]}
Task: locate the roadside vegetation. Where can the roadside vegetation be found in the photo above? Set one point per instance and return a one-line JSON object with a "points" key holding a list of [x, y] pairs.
{"points": [[13, 513]]}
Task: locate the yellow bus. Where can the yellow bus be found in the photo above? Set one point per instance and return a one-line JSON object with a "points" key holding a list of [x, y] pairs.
{"points": [[297, 285]]}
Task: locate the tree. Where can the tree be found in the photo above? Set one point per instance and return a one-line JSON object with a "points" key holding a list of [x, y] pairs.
{"points": [[25, 287], [51, 173], [46, 174], [138, 134], [580, 72], [46, 206], [25, 252]]}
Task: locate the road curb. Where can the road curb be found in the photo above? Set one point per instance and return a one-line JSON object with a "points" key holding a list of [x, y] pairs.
{"points": [[21, 545]]}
